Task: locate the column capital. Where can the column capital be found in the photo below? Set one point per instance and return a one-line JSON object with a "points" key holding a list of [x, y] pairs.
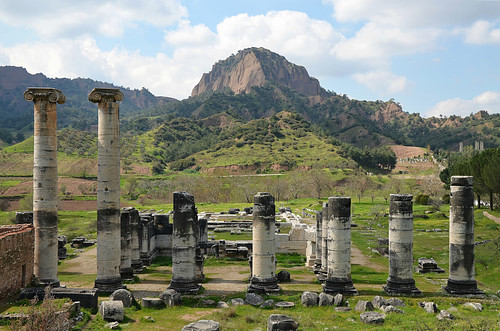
{"points": [[99, 94], [44, 93]]}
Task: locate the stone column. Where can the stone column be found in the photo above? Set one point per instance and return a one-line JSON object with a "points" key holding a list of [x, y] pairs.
{"points": [[263, 278], [108, 189], [184, 245], [135, 242], [45, 198], [324, 243], [339, 247], [126, 271], [319, 241], [400, 281], [200, 259], [461, 279]]}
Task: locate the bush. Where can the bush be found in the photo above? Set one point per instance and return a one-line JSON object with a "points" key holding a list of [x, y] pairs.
{"points": [[4, 205], [423, 199]]}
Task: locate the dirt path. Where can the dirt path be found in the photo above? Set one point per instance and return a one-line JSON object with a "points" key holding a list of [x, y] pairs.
{"points": [[357, 257], [491, 217], [84, 263]]}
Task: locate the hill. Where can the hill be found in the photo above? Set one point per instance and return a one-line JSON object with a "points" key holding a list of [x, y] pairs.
{"points": [[78, 112]]}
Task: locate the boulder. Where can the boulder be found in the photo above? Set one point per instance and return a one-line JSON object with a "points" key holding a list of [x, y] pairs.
{"points": [[124, 296], [154, 303], [325, 299], [208, 303], [283, 276], [379, 301], [445, 315], [309, 299], [396, 302], [254, 299], [372, 317], [337, 300], [269, 303], [222, 304], [429, 306], [363, 305], [391, 309], [237, 302], [284, 304], [112, 311], [112, 325], [473, 306], [278, 322], [202, 325], [171, 298]]}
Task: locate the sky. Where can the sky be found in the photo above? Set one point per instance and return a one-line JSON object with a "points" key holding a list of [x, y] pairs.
{"points": [[436, 58]]}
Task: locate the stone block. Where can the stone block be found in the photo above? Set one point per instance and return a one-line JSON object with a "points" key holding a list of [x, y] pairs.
{"points": [[278, 322], [126, 297], [202, 325]]}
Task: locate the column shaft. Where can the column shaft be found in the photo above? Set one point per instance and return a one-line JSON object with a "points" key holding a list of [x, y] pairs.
{"points": [[45, 198], [184, 245], [324, 243], [108, 189], [126, 238], [461, 278], [400, 281], [339, 247], [319, 242], [263, 279]]}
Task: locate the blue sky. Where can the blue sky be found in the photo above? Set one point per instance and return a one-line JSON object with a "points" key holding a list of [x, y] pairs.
{"points": [[434, 57]]}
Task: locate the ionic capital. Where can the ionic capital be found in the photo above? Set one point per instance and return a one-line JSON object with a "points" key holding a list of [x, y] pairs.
{"points": [[44, 93], [105, 95]]}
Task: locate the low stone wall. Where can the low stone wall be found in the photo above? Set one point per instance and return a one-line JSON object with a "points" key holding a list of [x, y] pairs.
{"points": [[17, 244]]}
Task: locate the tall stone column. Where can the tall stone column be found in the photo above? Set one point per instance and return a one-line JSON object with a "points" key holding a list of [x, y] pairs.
{"points": [[45, 198], [108, 189], [461, 279], [400, 281], [319, 240], [135, 242], [324, 243], [126, 271], [263, 278], [184, 245], [339, 247]]}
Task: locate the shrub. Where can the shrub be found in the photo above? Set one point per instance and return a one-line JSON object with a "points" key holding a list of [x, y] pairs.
{"points": [[422, 199]]}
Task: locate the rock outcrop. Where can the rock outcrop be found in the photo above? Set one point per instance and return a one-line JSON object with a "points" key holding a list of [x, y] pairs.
{"points": [[256, 67]]}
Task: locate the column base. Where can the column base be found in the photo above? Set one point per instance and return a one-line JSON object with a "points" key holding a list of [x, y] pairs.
{"points": [[407, 288], [462, 287], [127, 273], [344, 287], [148, 257], [137, 266], [47, 282], [109, 285], [317, 267], [321, 276], [263, 286], [185, 286]]}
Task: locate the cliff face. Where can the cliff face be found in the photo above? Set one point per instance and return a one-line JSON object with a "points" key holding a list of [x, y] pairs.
{"points": [[254, 67]]}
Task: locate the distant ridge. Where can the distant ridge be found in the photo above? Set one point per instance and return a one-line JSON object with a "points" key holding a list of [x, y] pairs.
{"points": [[255, 67]]}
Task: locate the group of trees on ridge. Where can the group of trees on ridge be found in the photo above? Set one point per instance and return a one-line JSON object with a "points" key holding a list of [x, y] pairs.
{"points": [[482, 165]]}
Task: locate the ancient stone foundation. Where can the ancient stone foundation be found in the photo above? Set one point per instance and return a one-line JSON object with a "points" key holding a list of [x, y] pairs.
{"points": [[339, 247], [400, 281], [108, 189], [184, 245], [263, 278], [461, 279], [45, 198]]}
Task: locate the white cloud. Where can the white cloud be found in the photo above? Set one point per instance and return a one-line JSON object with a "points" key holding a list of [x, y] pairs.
{"points": [[60, 18], [422, 13], [489, 101], [383, 82], [482, 32]]}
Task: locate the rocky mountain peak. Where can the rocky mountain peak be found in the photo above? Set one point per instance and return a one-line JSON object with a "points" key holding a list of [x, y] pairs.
{"points": [[255, 67]]}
